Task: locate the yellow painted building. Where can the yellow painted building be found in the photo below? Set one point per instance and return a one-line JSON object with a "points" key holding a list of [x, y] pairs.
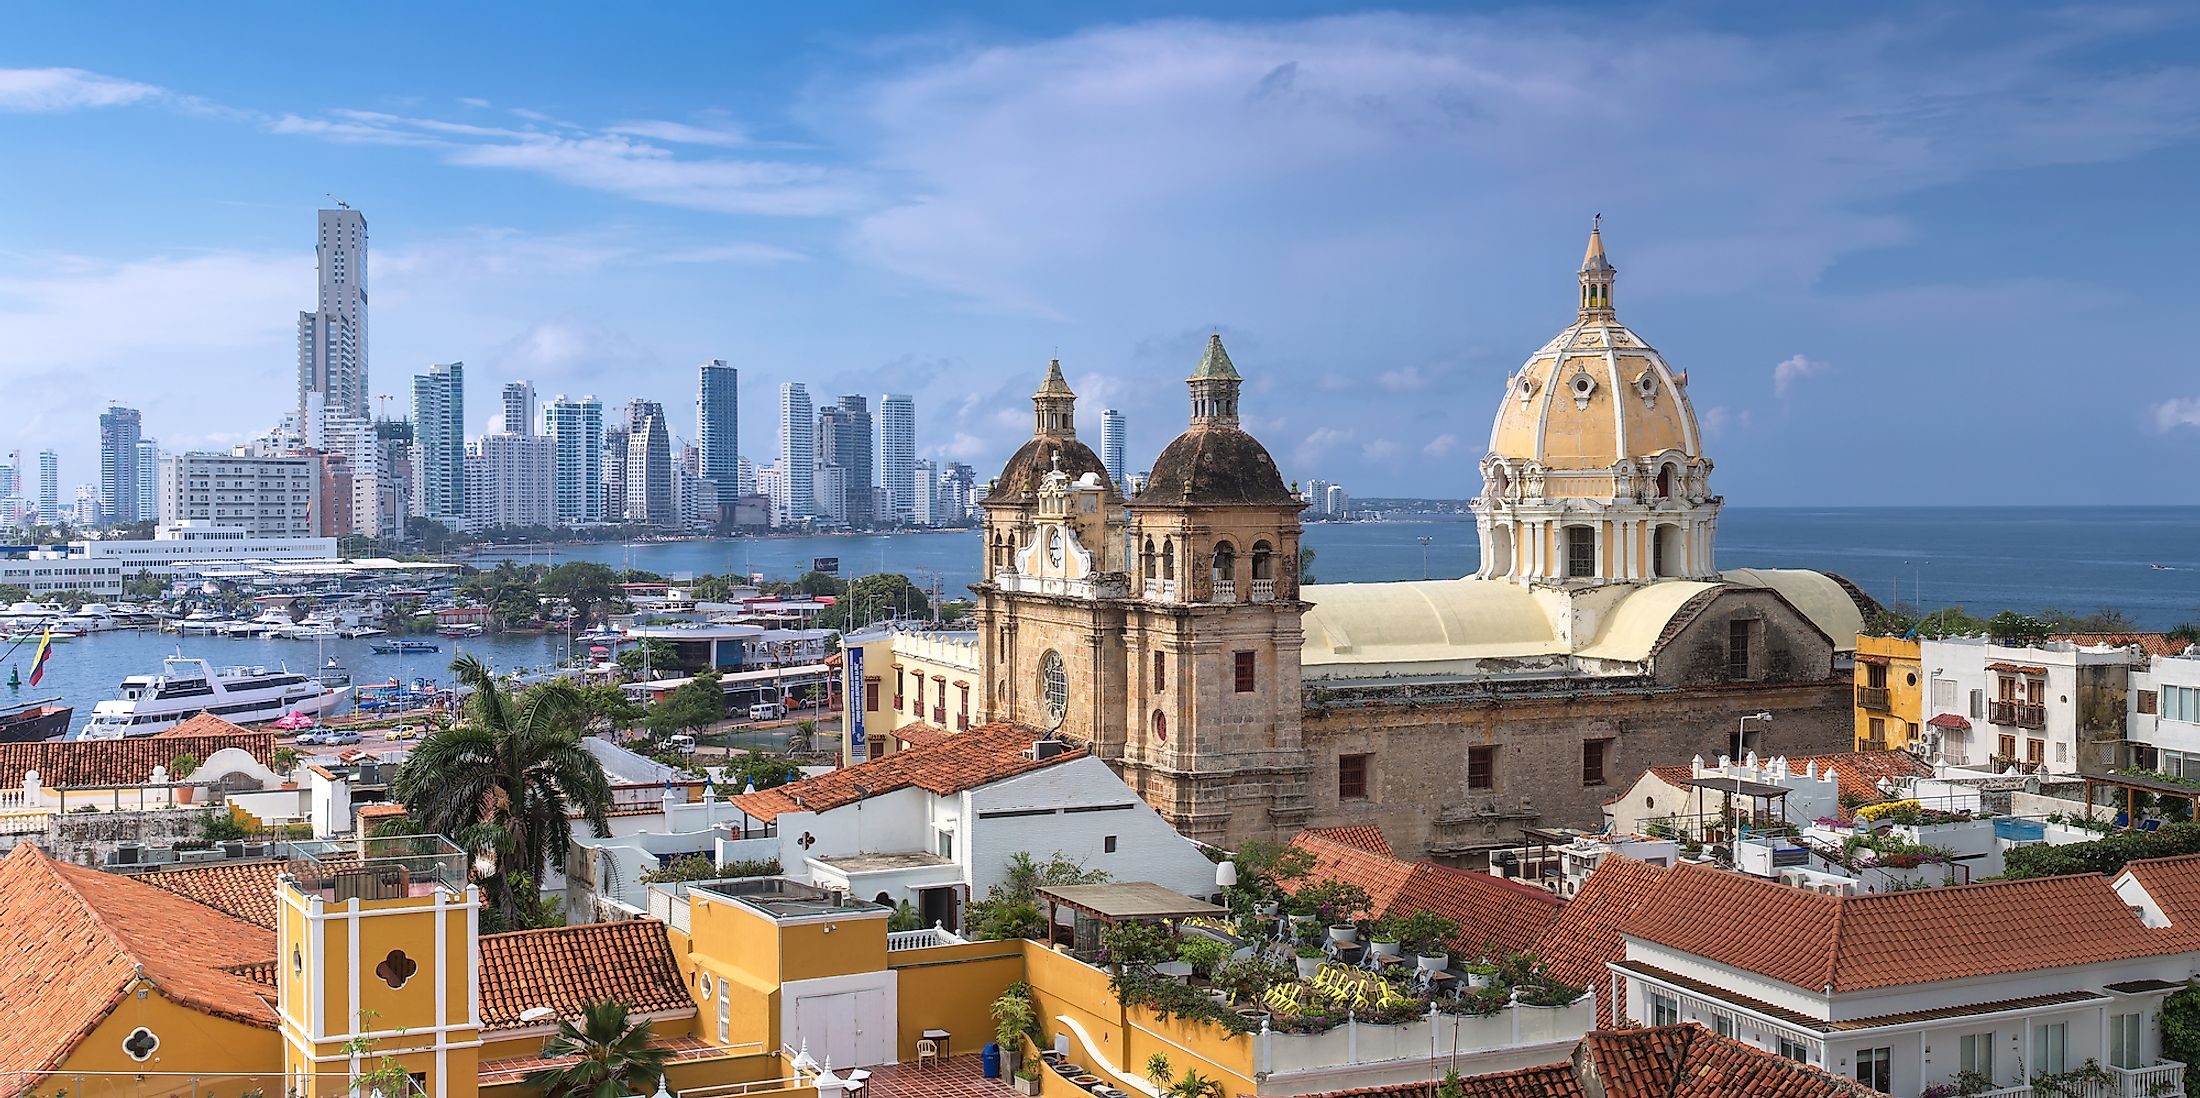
{"points": [[914, 685], [1890, 695]]}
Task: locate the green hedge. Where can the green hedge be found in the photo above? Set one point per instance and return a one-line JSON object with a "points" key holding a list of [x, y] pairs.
{"points": [[2104, 855]]}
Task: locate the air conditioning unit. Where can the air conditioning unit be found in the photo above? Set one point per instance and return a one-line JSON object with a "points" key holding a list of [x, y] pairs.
{"points": [[1795, 878], [1045, 749]]}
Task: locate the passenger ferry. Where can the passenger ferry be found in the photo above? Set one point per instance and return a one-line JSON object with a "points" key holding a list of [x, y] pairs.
{"points": [[187, 687]]}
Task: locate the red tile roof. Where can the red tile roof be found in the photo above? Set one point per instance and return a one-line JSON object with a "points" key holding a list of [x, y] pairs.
{"points": [[1362, 836], [2154, 644], [981, 756], [241, 890], [1854, 943], [1577, 945], [512, 1069], [1858, 772], [123, 762], [1494, 915], [78, 939], [920, 734], [1951, 720], [1683, 1061], [568, 967]]}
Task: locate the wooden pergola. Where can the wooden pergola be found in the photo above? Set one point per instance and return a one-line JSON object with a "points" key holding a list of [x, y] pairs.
{"points": [[1120, 902], [2131, 783]]}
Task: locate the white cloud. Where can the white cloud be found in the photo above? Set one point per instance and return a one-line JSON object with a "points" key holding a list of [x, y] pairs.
{"points": [[1794, 369], [2177, 412], [1379, 450], [1441, 446], [31, 90], [1405, 379], [1318, 444], [744, 252], [716, 133]]}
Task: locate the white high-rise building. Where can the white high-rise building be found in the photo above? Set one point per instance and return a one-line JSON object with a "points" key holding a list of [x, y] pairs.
{"points": [[649, 490], [519, 408], [797, 450], [333, 429], [1111, 445], [897, 456], [1317, 497], [510, 481], [332, 339], [1334, 502], [439, 444], [575, 429], [718, 422], [926, 477], [275, 497], [744, 478], [148, 479], [771, 483], [49, 487], [829, 482]]}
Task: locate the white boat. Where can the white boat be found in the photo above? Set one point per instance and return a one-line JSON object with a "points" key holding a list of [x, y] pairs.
{"points": [[463, 629], [94, 617], [334, 673], [187, 687]]}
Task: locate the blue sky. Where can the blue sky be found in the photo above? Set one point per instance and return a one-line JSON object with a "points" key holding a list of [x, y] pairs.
{"points": [[1908, 255]]}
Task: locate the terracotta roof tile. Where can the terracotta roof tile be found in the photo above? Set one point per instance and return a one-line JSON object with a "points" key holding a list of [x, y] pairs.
{"points": [[123, 762], [981, 756], [1494, 914], [1547, 1081], [78, 939], [1363, 836], [920, 734], [568, 967], [1683, 1061], [242, 890], [1854, 943], [1585, 937], [2154, 644]]}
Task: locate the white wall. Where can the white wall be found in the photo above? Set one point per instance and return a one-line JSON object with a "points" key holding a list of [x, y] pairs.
{"points": [[1146, 847]]}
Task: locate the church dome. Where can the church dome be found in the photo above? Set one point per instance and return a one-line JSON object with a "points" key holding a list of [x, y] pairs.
{"points": [[1214, 462], [1596, 395], [1053, 435]]}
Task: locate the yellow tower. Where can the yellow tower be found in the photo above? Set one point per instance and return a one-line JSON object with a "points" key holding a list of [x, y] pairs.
{"points": [[377, 942]]}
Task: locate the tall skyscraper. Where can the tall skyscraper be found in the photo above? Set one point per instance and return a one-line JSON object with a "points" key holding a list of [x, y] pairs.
{"points": [[519, 408], [1111, 445], [1317, 497], [332, 339], [718, 422], [844, 441], [119, 431], [49, 487], [897, 456], [575, 428], [148, 479], [797, 449], [927, 480], [648, 465], [439, 444]]}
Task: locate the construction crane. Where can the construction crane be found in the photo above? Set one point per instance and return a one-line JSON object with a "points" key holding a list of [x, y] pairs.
{"points": [[340, 203]]}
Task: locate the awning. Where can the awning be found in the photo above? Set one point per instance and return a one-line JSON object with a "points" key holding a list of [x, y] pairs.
{"points": [[1127, 901], [2016, 669], [1953, 721], [1739, 787]]}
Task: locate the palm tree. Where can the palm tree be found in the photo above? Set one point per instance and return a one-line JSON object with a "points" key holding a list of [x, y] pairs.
{"points": [[616, 1058], [500, 782]]}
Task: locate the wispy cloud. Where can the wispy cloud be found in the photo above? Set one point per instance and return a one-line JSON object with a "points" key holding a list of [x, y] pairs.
{"points": [[719, 133], [2175, 413], [1441, 446], [1792, 370], [33, 90]]}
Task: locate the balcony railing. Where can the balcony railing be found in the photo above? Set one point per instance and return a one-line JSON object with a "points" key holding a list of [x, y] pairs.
{"points": [[1225, 590], [1161, 589], [1871, 697], [933, 935], [1264, 590], [2019, 714], [2161, 1079]]}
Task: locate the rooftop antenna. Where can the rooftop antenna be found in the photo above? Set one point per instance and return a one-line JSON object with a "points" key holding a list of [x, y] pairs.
{"points": [[340, 203]]}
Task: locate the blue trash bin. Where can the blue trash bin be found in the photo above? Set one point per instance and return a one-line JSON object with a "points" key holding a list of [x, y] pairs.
{"points": [[991, 1058]]}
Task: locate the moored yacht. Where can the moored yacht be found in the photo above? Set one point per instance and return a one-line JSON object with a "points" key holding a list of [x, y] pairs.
{"points": [[187, 687]]}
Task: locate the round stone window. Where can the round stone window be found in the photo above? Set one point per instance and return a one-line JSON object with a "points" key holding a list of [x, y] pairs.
{"points": [[141, 1044], [1054, 683]]}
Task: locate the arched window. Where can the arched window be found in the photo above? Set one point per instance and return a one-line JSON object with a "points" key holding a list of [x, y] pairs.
{"points": [[1168, 560], [1145, 556], [1054, 683], [1665, 482], [1160, 672], [1160, 727], [1225, 562], [1263, 561]]}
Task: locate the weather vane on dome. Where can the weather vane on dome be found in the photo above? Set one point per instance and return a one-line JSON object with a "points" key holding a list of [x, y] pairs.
{"points": [[1596, 223]]}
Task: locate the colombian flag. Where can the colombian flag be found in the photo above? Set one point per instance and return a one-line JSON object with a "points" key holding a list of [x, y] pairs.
{"points": [[45, 649]]}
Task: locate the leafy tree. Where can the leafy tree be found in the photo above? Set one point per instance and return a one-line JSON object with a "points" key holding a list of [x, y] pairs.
{"points": [[886, 595], [616, 1058], [1010, 909], [2185, 633], [691, 707], [2107, 854], [221, 825], [652, 653], [139, 585], [502, 780], [585, 586], [432, 535], [765, 770], [607, 704], [814, 584], [2010, 627], [2181, 1025], [1306, 564], [11, 592]]}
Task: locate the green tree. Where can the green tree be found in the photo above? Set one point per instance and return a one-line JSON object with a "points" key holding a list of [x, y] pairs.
{"points": [[607, 705], [690, 707], [2181, 1026], [766, 770], [655, 655], [585, 586], [502, 781], [1010, 909], [818, 583], [141, 585], [886, 595], [2010, 627], [616, 1058], [432, 535], [12, 592], [1306, 564]]}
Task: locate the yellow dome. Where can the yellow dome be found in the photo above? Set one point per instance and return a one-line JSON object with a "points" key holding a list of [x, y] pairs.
{"points": [[1596, 395]]}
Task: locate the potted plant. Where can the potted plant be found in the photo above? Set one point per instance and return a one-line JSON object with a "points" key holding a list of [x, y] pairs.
{"points": [[1432, 962], [1309, 960], [1027, 1078], [1385, 945], [1481, 974], [1014, 1020], [1343, 933], [1428, 935]]}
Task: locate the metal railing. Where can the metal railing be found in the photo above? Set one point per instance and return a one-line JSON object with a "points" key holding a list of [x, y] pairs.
{"points": [[2018, 714], [2161, 1079]]}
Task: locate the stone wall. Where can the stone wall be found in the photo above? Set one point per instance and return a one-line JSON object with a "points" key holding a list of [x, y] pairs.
{"points": [[1417, 774], [86, 838]]}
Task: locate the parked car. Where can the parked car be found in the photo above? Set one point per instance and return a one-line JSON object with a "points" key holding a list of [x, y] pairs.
{"points": [[683, 743], [339, 738], [312, 737]]}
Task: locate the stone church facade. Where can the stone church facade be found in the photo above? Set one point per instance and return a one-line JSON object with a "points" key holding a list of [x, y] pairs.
{"points": [[1172, 632]]}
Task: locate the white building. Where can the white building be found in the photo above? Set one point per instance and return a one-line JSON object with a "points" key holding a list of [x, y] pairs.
{"points": [[1335, 503], [186, 545], [519, 408], [439, 444], [332, 339], [649, 490], [575, 430], [797, 453], [49, 487], [1111, 445], [718, 424], [1317, 497], [925, 476], [1904, 990], [897, 457], [2164, 715], [148, 480], [829, 494], [2058, 706], [511, 480], [771, 483], [45, 572], [272, 497], [336, 430], [936, 823]]}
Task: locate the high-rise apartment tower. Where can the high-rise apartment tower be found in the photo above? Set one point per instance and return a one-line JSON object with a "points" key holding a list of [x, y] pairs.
{"points": [[797, 449], [332, 339]]}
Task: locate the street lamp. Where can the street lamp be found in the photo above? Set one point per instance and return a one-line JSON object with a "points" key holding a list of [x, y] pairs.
{"points": [[1741, 730], [1424, 555]]}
